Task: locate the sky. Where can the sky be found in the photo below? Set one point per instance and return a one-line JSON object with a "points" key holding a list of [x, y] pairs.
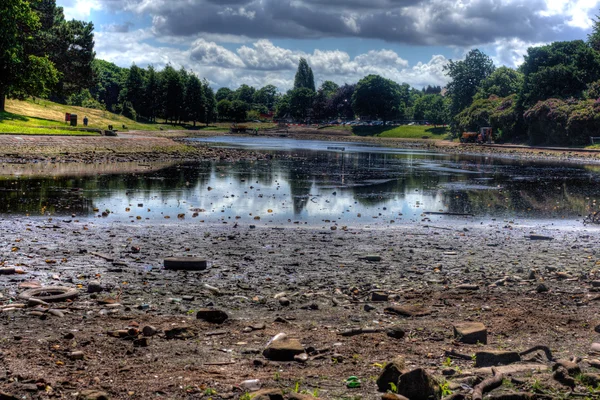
{"points": [[259, 42]]}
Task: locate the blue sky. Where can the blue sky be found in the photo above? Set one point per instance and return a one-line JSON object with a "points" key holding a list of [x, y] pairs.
{"points": [[259, 42]]}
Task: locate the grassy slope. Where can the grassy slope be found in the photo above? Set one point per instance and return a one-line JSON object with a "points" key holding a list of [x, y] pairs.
{"points": [[36, 118], [404, 131]]}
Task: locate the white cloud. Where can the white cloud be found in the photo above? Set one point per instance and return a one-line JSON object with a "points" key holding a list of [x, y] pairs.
{"points": [[79, 9]]}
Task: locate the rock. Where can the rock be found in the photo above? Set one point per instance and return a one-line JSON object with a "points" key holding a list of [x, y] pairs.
{"points": [[6, 396], [418, 385], [368, 308], [94, 287], [141, 342], [448, 371], [282, 348], [491, 358], [561, 375], [267, 394], [471, 333], [302, 357], [409, 311], [372, 257], [378, 296], [467, 286], [76, 355], [572, 368], [395, 332], [33, 302], [541, 288], [56, 313], [149, 331], [391, 374], [284, 301], [93, 395], [185, 264], [597, 328], [30, 387], [595, 348], [596, 284], [212, 315]]}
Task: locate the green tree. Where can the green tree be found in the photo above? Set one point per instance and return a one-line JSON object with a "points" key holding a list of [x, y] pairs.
{"points": [[304, 76], [224, 110], [172, 93], [194, 99], [266, 96], [378, 97], [238, 110], [329, 89], [465, 77], [282, 106], [594, 36], [224, 93], [432, 108], [109, 81], [558, 70], [211, 103], [245, 93], [503, 82], [133, 90], [301, 101], [341, 102], [152, 95], [18, 25]]}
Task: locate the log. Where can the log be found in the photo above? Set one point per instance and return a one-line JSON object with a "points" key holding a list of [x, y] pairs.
{"points": [[545, 349], [488, 385]]}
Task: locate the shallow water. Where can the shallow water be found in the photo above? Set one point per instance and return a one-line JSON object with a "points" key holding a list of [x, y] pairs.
{"points": [[311, 184]]}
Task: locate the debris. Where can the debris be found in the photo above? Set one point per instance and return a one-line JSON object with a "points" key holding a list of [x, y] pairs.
{"points": [[471, 333], [185, 264], [212, 315]]}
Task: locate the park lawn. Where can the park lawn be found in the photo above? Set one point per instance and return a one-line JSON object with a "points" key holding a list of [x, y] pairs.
{"points": [[402, 131], [44, 113]]}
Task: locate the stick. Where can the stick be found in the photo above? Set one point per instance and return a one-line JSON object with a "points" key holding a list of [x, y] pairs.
{"points": [[360, 331], [545, 349], [107, 258], [488, 385], [454, 354]]}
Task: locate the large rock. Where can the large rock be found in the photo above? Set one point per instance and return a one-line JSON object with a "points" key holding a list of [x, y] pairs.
{"points": [[471, 333], [572, 368], [391, 374], [408, 311], [491, 358], [283, 349], [212, 315], [418, 385]]}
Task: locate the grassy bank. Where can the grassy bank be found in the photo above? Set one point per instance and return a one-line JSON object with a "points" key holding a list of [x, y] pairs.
{"points": [[403, 131], [46, 117]]}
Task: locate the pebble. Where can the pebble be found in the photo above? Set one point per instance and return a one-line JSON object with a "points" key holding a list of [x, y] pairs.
{"points": [[149, 331], [541, 288], [76, 355], [94, 287], [284, 301]]}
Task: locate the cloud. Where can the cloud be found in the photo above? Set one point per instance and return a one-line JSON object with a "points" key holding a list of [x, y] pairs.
{"points": [[118, 28], [415, 22]]}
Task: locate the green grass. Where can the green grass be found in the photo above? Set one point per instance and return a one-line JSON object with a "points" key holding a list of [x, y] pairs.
{"points": [[403, 131], [19, 124]]}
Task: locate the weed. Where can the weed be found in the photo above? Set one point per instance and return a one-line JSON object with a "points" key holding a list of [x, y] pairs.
{"points": [[246, 396], [447, 362], [445, 388], [277, 376], [393, 387], [210, 392]]}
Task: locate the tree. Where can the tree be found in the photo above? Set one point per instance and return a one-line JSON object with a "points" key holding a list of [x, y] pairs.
{"points": [[432, 108], [19, 70], [211, 103], [172, 93], [329, 88], [133, 91], [304, 76], [266, 96], [194, 99], [559, 70], [502, 82], [152, 99], [109, 81], [301, 101], [465, 78], [320, 110], [594, 36], [341, 102], [245, 93], [282, 106], [377, 97], [224, 109], [224, 93], [238, 110]]}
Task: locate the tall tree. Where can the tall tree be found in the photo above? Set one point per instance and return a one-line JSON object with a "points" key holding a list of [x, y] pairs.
{"points": [[172, 93], [341, 102], [133, 92], [194, 99], [304, 76], [19, 70], [329, 88], [152, 98], [245, 93], [465, 77], [109, 81], [266, 96], [211, 103], [594, 36], [301, 101], [378, 97]]}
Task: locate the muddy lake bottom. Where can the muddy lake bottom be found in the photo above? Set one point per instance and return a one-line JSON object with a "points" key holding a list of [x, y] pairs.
{"points": [[487, 269]]}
